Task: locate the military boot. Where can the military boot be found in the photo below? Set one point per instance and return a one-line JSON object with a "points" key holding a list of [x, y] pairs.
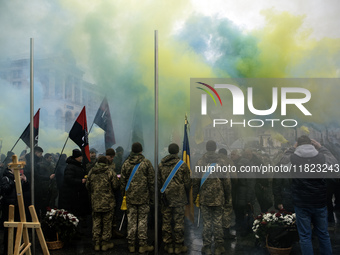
{"points": [[107, 245], [219, 249], [169, 248], [97, 246], [132, 248], [145, 248], [206, 250], [180, 248]]}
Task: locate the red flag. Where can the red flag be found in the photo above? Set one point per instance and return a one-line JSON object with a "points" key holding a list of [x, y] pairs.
{"points": [[104, 121], [79, 135], [25, 136]]}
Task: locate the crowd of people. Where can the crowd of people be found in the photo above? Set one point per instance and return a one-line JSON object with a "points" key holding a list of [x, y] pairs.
{"points": [[110, 183]]}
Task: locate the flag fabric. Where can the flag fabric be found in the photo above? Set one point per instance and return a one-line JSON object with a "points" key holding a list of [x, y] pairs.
{"points": [[104, 121], [79, 135], [189, 209], [25, 136]]}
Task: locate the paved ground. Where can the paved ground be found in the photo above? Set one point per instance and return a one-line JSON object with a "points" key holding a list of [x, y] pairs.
{"points": [[193, 240]]}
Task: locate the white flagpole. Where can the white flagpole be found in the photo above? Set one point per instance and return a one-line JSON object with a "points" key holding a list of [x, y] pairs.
{"points": [[32, 129], [156, 141]]}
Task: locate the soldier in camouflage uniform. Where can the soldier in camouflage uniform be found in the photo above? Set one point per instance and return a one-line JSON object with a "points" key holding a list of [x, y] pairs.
{"points": [[228, 206], [138, 197], [173, 200], [101, 182], [93, 157], [213, 194]]}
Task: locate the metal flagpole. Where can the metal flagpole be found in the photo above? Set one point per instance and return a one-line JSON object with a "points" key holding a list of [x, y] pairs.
{"points": [[156, 141], [32, 131]]}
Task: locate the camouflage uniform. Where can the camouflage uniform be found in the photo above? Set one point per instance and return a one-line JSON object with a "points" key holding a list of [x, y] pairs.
{"points": [[174, 198], [100, 183], [138, 196], [214, 193]]}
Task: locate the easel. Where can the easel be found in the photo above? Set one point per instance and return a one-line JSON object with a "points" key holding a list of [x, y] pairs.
{"points": [[23, 225]]}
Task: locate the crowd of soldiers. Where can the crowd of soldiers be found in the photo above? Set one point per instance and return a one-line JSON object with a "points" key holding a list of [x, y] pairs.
{"points": [[108, 183]]}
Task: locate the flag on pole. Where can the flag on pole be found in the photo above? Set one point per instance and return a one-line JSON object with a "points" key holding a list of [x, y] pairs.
{"points": [[25, 136], [189, 209], [104, 121], [79, 135]]}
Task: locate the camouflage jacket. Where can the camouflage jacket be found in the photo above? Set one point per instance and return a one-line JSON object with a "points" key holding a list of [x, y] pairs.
{"points": [[101, 182], [176, 193], [216, 190], [141, 190]]}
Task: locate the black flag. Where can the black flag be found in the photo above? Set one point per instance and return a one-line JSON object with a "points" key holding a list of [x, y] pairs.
{"points": [[78, 134], [104, 121], [25, 136]]}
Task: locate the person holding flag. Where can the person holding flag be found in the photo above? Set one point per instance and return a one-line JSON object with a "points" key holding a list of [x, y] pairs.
{"points": [[74, 183], [175, 183], [211, 190]]}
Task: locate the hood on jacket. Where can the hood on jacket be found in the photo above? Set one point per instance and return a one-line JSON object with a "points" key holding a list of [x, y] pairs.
{"points": [[306, 151], [170, 160], [99, 168], [135, 158]]}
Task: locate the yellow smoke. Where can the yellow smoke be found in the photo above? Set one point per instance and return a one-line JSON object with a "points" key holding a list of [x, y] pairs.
{"points": [[305, 130]]}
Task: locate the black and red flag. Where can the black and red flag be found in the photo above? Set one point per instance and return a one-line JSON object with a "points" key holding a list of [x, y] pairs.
{"points": [[79, 135], [25, 136], [104, 121]]}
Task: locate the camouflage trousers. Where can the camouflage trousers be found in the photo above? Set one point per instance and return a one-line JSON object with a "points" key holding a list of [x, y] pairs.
{"points": [[175, 233], [102, 226], [226, 218], [137, 216], [212, 224]]}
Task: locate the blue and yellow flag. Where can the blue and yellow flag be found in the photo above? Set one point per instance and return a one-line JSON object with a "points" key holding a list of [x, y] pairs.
{"points": [[189, 209]]}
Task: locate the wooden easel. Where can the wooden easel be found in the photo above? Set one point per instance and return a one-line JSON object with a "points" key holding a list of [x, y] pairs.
{"points": [[23, 225]]}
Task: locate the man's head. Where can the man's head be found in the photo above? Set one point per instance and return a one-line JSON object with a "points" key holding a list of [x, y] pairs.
{"points": [[77, 155], [38, 151], [173, 148], [234, 155], [120, 150], [137, 148], [303, 140], [93, 153], [48, 157], [248, 153], [110, 154], [103, 159], [211, 145], [223, 152]]}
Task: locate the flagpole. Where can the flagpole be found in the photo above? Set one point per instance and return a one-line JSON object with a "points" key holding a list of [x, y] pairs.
{"points": [[156, 141], [56, 165], [32, 130]]}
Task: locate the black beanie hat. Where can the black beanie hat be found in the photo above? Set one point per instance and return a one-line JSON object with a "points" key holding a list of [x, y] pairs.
{"points": [[173, 148], [211, 146], [76, 153], [136, 148]]}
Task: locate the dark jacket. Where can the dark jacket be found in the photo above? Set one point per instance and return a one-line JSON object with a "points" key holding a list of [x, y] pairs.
{"points": [[282, 191], [309, 193], [8, 188], [72, 194], [243, 188]]}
